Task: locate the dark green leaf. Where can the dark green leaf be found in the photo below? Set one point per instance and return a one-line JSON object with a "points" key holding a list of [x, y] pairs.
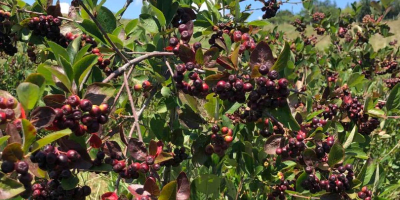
{"points": [[28, 95], [106, 19], [9, 188], [169, 191], [13, 153], [49, 139], [336, 154], [82, 67], [393, 101], [283, 58]]}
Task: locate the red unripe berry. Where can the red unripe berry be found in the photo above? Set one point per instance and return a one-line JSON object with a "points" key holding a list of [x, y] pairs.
{"points": [[245, 37], [104, 108], [247, 87], [283, 83], [362, 195], [144, 168], [95, 50], [237, 37], [74, 100], [228, 139], [182, 28], [3, 117], [278, 151], [11, 103], [230, 132], [205, 87], [224, 130], [146, 85], [67, 109], [135, 166], [364, 189], [95, 111], [299, 137], [138, 87], [73, 155]]}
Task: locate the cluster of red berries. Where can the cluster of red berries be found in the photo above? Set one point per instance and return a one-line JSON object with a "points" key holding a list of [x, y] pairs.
{"points": [[219, 30], [353, 107], [299, 25], [279, 189], [294, 147], [310, 40], [342, 32], [368, 20], [52, 189], [318, 16], [219, 141], [320, 30], [179, 155], [145, 86], [47, 26], [77, 111], [330, 111], [265, 132], [380, 105], [322, 150], [389, 66], [366, 126], [333, 76], [132, 171], [6, 37], [365, 193], [317, 122], [270, 8], [183, 16], [85, 40], [247, 42], [196, 86], [233, 90], [24, 177], [7, 113], [102, 62]]}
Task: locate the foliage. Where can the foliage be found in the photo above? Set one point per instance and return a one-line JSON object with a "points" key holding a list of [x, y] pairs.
{"points": [[184, 103]]}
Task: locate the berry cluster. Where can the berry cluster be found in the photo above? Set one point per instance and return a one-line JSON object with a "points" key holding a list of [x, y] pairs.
{"points": [[179, 155], [368, 20], [53, 190], [388, 66], [86, 39], [145, 86], [380, 105], [299, 25], [219, 30], [7, 113], [219, 142], [318, 122], [353, 107], [318, 16], [366, 126], [183, 16], [270, 8], [265, 132], [365, 193], [294, 147], [77, 111], [233, 90], [322, 150], [56, 162], [196, 86], [279, 189], [6, 38], [24, 177], [101, 62], [333, 76], [336, 183], [311, 40], [47, 26]]}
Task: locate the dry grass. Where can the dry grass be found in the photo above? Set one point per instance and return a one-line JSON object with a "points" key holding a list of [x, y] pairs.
{"points": [[377, 41]]}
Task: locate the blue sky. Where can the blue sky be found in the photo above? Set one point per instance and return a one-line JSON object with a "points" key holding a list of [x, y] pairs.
{"points": [[134, 10]]}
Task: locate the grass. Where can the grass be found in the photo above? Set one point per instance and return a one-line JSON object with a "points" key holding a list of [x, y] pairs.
{"points": [[377, 41]]}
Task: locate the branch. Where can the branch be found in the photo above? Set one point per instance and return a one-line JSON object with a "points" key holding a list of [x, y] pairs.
{"points": [[135, 61], [39, 13], [133, 110], [127, 3]]}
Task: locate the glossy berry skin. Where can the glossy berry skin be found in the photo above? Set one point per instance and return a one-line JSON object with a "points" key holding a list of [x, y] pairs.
{"points": [[173, 41], [247, 87], [245, 37], [205, 87], [273, 75], [86, 190], [73, 155], [263, 69], [95, 111], [104, 108], [85, 105], [361, 195], [73, 100], [21, 167], [144, 168], [182, 28], [196, 45], [228, 139], [185, 35], [138, 87], [150, 160], [7, 167], [283, 83], [146, 85], [278, 151], [11, 103], [237, 36], [25, 179]]}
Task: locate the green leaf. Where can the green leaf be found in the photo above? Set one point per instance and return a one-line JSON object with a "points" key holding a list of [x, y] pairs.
{"points": [[300, 180], [210, 105], [38, 80], [149, 23], [258, 23], [199, 56], [249, 163], [336, 154], [28, 95], [73, 48], [9, 188], [69, 183], [386, 3], [283, 58], [131, 25], [106, 19], [82, 67], [168, 8], [235, 57], [13, 152], [67, 68], [355, 79], [4, 139], [393, 101], [49, 139], [61, 76], [166, 91], [228, 43], [29, 134], [58, 50], [168, 192], [99, 93], [376, 112], [91, 28], [350, 138], [284, 115], [208, 184], [118, 42], [81, 53], [163, 156], [159, 15]]}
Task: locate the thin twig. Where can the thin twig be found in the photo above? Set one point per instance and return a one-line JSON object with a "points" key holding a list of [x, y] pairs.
{"points": [[39, 13], [135, 61], [239, 188], [147, 102], [127, 3], [274, 119], [133, 110], [103, 32]]}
